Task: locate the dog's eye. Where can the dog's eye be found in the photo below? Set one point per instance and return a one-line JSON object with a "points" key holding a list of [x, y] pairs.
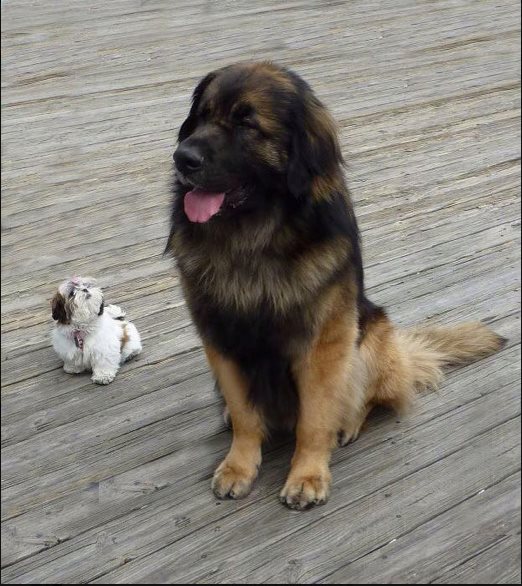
{"points": [[71, 294], [249, 122], [204, 113], [244, 115]]}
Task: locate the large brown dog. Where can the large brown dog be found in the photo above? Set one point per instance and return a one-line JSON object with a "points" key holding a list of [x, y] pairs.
{"points": [[268, 250]]}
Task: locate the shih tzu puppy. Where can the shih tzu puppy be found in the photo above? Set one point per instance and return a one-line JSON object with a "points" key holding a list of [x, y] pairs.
{"points": [[89, 335]]}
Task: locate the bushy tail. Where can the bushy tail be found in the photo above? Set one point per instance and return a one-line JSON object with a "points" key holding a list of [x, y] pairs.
{"points": [[430, 349], [116, 312]]}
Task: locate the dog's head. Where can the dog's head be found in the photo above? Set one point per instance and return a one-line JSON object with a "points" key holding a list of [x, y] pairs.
{"points": [[77, 301], [255, 131]]}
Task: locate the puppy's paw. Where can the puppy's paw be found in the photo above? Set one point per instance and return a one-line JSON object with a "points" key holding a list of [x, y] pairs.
{"points": [[129, 357], [71, 369], [231, 481], [304, 492], [103, 378]]}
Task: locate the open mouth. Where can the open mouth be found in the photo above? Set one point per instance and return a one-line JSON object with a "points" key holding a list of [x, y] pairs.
{"points": [[200, 204]]}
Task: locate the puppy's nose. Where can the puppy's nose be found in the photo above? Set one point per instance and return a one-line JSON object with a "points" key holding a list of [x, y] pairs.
{"points": [[188, 159]]}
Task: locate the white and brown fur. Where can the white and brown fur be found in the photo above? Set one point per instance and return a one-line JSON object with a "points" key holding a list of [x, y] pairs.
{"points": [[89, 335], [275, 284]]}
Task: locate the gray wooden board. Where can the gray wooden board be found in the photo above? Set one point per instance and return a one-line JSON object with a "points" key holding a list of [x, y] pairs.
{"points": [[111, 484], [498, 562], [405, 452], [461, 534]]}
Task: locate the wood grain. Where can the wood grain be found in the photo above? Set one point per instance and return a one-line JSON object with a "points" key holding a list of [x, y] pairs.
{"points": [[112, 485]]}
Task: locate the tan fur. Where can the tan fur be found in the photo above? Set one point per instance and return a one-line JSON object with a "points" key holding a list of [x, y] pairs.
{"points": [[261, 102], [323, 187], [330, 394], [240, 280], [320, 124], [401, 362], [235, 475], [124, 336], [459, 344], [271, 72]]}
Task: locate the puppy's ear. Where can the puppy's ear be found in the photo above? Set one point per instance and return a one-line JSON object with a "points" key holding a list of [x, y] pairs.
{"points": [[188, 127], [315, 159], [102, 308], [58, 309]]}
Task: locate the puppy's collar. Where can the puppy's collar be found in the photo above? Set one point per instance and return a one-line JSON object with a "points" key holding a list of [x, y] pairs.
{"points": [[79, 338]]}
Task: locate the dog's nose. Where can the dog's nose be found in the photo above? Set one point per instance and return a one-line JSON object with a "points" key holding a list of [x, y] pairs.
{"points": [[188, 159]]}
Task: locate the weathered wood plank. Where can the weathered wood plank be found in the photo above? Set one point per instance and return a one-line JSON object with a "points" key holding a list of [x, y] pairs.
{"points": [[302, 550], [497, 564], [427, 96], [460, 400], [421, 556]]}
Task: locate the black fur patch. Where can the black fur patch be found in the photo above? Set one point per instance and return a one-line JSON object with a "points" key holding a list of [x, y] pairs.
{"points": [[311, 152], [188, 126], [260, 342]]}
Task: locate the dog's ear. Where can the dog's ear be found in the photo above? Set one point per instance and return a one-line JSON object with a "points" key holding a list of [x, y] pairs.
{"points": [[102, 308], [188, 127], [315, 159], [58, 309]]}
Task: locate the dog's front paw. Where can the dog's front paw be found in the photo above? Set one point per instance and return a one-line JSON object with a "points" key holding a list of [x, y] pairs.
{"points": [[231, 481], [303, 492], [103, 378]]}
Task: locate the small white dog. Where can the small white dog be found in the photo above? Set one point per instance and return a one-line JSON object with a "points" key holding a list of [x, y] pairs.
{"points": [[89, 335]]}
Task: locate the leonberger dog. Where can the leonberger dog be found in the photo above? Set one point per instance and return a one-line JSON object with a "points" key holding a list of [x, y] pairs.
{"points": [[267, 245]]}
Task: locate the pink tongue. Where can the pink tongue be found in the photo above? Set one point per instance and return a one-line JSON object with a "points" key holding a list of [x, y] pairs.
{"points": [[201, 205]]}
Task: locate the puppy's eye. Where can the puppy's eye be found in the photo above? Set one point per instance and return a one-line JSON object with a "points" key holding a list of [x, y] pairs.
{"points": [[71, 294]]}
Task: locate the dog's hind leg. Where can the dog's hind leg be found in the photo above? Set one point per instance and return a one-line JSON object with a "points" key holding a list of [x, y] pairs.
{"points": [[352, 426], [131, 344]]}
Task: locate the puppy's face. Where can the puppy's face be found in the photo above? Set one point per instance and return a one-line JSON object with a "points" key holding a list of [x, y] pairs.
{"points": [[255, 132], [78, 301]]}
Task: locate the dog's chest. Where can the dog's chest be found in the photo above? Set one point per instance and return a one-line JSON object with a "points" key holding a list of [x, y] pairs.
{"points": [[83, 353], [79, 347], [263, 345], [244, 282]]}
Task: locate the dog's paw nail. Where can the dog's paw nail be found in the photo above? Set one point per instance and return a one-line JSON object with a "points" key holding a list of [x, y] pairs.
{"points": [[231, 483], [306, 492]]}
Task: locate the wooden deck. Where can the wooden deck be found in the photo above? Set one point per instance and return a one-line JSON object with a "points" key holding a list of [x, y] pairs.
{"points": [[111, 485]]}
